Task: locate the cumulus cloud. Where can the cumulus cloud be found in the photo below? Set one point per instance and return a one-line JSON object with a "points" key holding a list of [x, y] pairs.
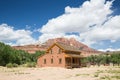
{"points": [[46, 36], [109, 31], [15, 37], [79, 19], [87, 20]]}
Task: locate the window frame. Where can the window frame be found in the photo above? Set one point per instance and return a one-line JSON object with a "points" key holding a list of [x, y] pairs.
{"points": [[59, 51], [60, 60], [45, 61], [52, 61]]}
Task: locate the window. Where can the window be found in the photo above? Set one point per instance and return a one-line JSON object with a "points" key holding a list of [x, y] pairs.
{"points": [[59, 51], [51, 51], [73, 61], [60, 61], [44, 61], [51, 61]]}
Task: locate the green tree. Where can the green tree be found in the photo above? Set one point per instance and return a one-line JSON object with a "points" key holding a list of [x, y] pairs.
{"points": [[35, 56], [10, 55]]}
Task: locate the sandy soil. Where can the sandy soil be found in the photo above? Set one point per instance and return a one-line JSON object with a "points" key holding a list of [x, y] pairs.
{"points": [[55, 73]]}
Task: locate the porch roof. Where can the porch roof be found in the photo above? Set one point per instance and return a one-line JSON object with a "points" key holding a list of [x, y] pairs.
{"points": [[73, 55]]}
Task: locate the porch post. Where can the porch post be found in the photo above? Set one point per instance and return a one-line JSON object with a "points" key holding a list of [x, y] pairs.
{"points": [[80, 62], [71, 62]]}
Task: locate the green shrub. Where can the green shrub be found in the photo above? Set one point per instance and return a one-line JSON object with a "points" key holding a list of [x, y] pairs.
{"points": [[30, 64], [9, 65], [15, 65]]}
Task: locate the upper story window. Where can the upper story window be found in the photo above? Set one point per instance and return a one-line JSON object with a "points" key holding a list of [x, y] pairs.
{"points": [[44, 61], [51, 51], [59, 51]]}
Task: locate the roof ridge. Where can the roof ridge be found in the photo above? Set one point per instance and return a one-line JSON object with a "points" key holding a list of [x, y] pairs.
{"points": [[68, 47]]}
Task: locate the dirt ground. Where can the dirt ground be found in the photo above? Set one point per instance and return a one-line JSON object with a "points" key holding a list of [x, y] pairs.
{"points": [[55, 73]]}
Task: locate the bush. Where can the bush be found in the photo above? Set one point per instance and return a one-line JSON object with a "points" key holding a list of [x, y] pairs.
{"points": [[9, 65], [30, 64], [15, 65]]}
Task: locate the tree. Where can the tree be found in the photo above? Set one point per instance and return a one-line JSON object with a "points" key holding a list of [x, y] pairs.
{"points": [[115, 58], [35, 56], [99, 59], [10, 55], [4, 54]]}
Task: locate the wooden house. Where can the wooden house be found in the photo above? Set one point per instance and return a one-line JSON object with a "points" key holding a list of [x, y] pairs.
{"points": [[61, 55]]}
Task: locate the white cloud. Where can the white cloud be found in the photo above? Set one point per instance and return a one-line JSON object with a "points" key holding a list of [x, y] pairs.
{"points": [[109, 49], [20, 37], [46, 36], [86, 20], [109, 31], [79, 19]]}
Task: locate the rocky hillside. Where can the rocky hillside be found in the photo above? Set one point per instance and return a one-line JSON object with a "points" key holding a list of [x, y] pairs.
{"points": [[42, 47], [71, 42]]}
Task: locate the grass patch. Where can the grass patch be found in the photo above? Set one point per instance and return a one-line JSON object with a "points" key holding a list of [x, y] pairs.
{"points": [[113, 74], [82, 75], [106, 77], [99, 71], [78, 75], [114, 71], [19, 73], [116, 77], [96, 75]]}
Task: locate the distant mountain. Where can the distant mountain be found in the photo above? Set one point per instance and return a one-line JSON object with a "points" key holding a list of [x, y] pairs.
{"points": [[32, 48], [71, 42]]}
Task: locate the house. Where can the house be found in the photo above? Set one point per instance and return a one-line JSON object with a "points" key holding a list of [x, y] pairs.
{"points": [[60, 55]]}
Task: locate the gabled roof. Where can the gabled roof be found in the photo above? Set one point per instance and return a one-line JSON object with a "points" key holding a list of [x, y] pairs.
{"points": [[65, 47]]}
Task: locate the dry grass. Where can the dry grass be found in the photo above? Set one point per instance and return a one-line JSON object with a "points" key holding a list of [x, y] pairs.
{"points": [[49, 73]]}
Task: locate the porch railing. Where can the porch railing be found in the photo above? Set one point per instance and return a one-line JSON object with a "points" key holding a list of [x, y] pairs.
{"points": [[73, 65]]}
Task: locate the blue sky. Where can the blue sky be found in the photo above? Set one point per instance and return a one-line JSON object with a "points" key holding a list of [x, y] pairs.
{"points": [[92, 22], [20, 13]]}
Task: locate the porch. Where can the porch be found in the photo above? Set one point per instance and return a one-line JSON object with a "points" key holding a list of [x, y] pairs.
{"points": [[72, 61]]}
